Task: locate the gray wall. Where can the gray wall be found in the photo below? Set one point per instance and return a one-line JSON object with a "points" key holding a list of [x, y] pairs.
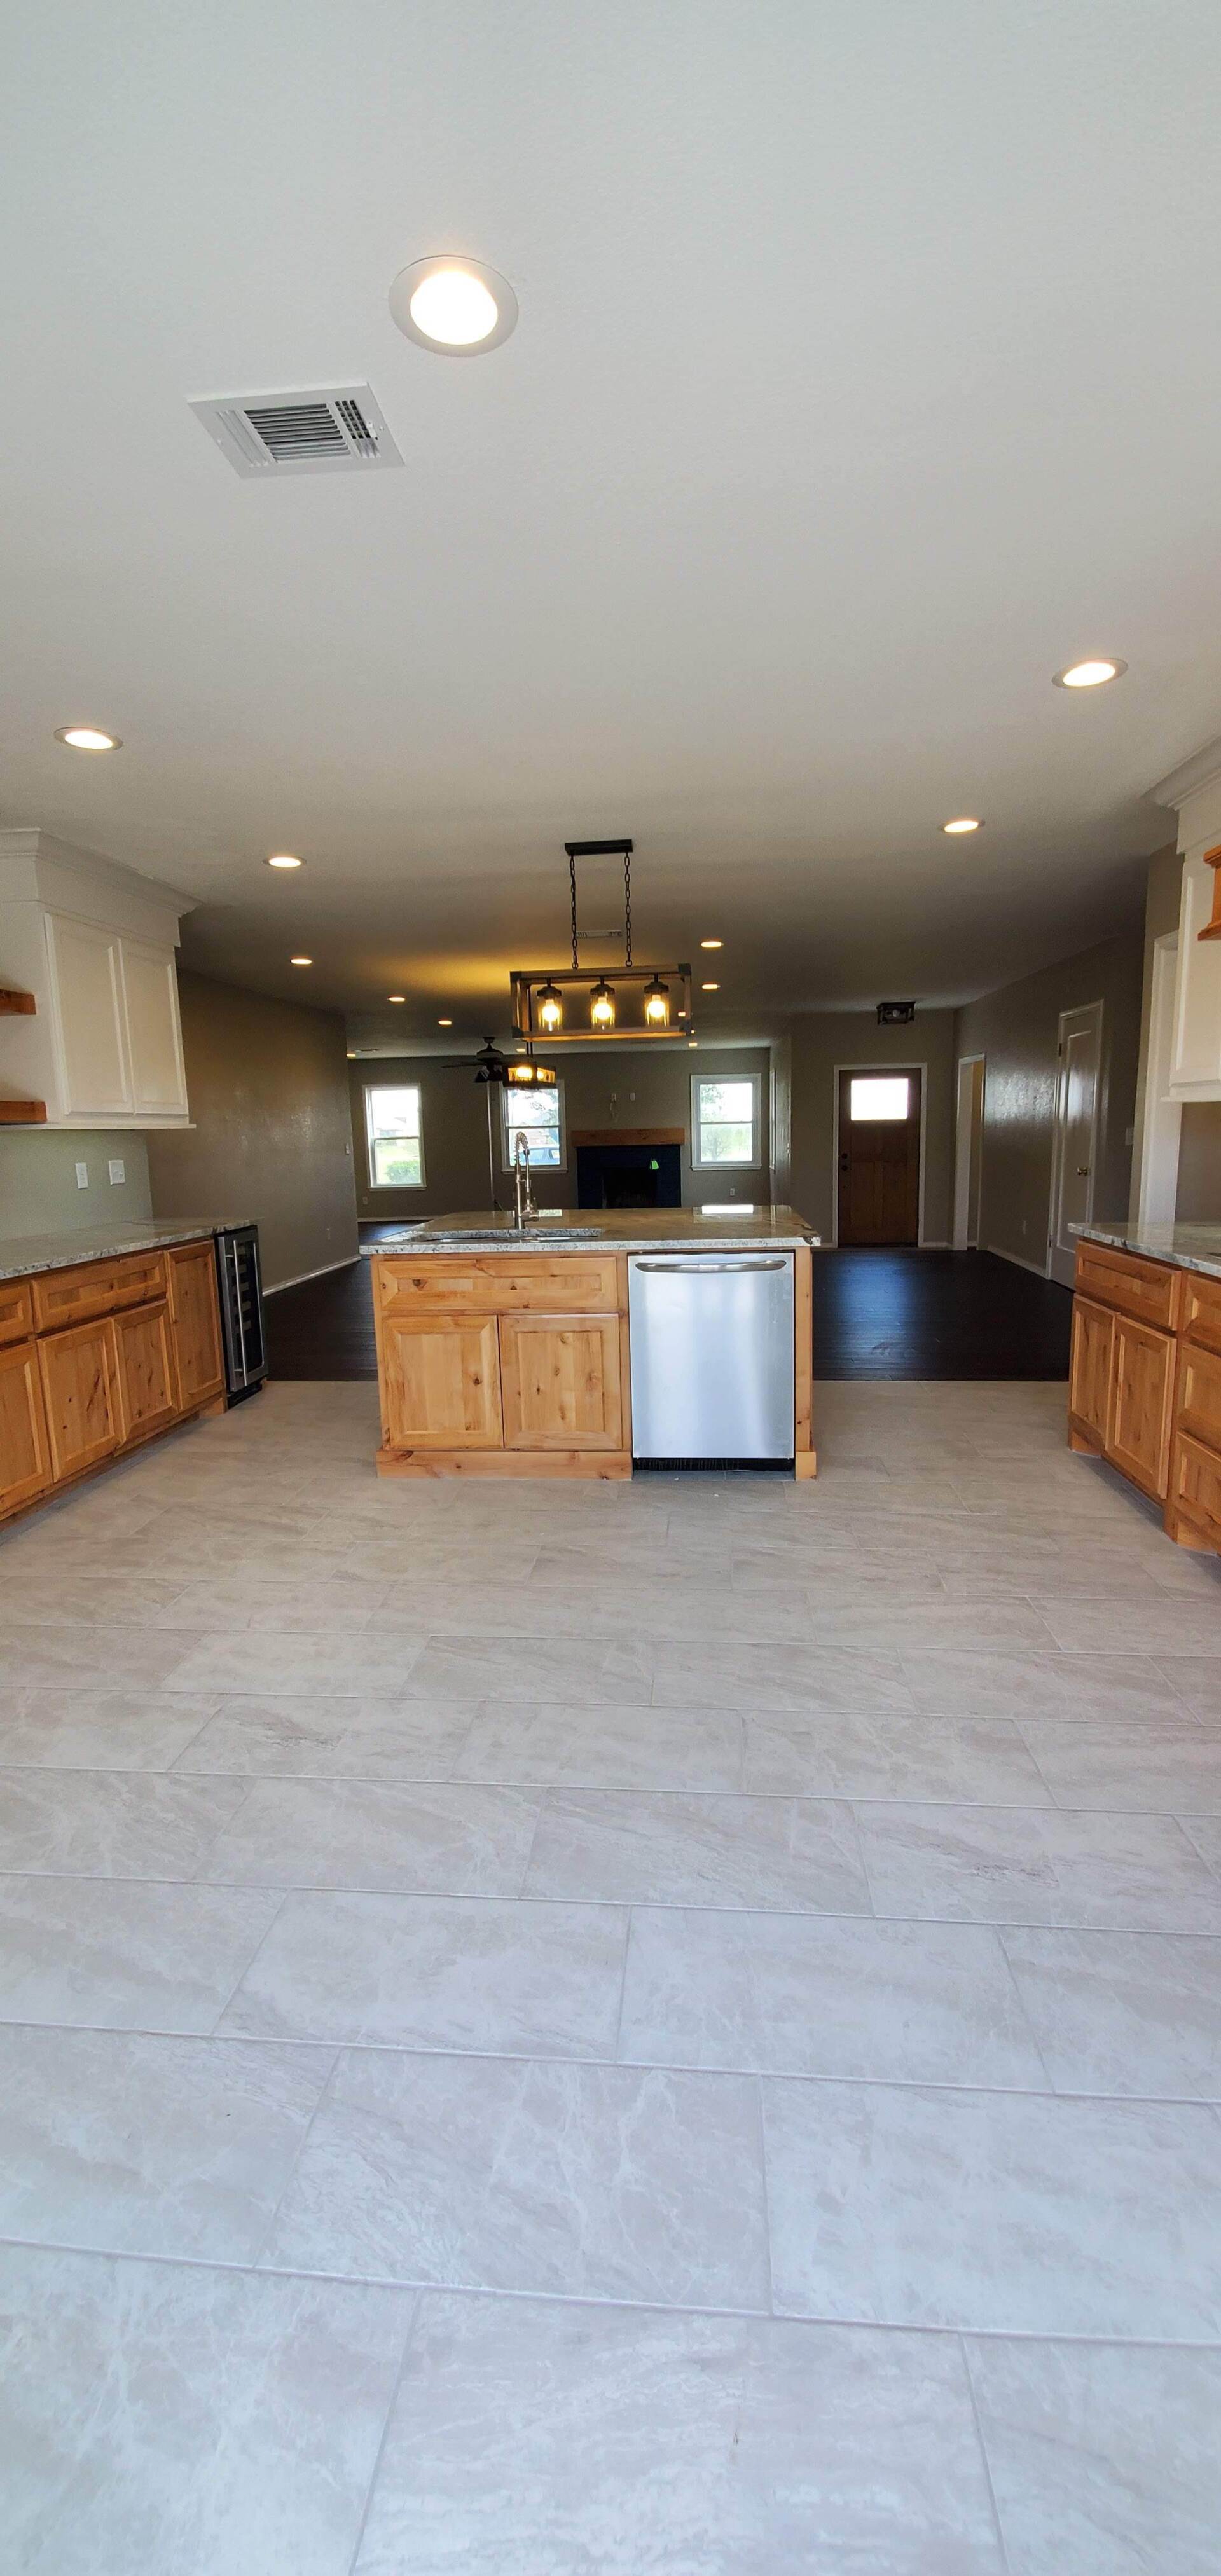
{"points": [[267, 1084], [650, 1087], [1017, 1030], [38, 1191], [823, 1040]]}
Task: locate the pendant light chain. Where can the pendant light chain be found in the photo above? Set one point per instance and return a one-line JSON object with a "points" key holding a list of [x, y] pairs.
{"points": [[627, 907], [572, 873]]}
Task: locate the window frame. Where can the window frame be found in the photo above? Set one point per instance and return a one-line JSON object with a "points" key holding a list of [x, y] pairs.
{"points": [[374, 1184], [715, 1164], [549, 1089]]}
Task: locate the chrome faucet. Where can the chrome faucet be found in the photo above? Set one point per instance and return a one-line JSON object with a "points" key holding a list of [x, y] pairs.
{"points": [[521, 1170]]}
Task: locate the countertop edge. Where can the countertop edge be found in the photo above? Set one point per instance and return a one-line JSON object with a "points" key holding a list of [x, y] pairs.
{"points": [[1150, 1244], [39, 1252]]}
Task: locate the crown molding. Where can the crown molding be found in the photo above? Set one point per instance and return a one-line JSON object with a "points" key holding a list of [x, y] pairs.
{"points": [[1202, 770]]}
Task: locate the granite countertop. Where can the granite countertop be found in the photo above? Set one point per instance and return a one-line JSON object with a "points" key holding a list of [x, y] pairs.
{"points": [[1184, 1247], [759, 1229], [22, 1255]]}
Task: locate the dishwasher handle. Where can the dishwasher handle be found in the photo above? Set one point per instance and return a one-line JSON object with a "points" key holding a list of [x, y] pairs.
{"points": [[695, 1267]]}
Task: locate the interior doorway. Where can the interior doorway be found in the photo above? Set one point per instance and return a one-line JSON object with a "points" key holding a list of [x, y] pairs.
{"points": [[1075, 1143], [879, 1126], [968, 1152]]}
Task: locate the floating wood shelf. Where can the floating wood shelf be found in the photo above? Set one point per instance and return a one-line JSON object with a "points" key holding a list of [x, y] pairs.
{"points": [[22, 1113], [11, 1000], [604, 1136]]}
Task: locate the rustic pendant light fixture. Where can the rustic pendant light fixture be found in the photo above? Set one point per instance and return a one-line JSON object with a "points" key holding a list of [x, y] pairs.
{"points": [[638, 1004]]}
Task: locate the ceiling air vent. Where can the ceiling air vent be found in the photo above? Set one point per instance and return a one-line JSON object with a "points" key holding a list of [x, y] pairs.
{"points": [[335, 429]]}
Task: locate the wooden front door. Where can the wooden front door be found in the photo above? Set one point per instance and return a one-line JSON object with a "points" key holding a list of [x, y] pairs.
{"points": [[879, 1156]]}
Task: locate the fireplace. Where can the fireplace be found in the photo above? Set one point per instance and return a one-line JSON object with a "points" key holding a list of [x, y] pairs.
{"points": [[629, 1167]]}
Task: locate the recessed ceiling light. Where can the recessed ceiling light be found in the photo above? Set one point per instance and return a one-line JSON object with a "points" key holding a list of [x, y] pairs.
{"points": [[962, 823], [712, 943], [284, 859], [88, 738], [710, 988], [396, 997], [445, 1024], [300, 961], [1090, 674], [453, 305]]}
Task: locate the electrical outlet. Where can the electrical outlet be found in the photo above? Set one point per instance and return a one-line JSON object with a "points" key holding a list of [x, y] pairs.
{"points": [[82, 1176], [118, 1172]]}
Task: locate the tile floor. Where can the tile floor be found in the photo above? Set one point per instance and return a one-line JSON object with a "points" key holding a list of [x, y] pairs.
{"points": [[653, 2030]]}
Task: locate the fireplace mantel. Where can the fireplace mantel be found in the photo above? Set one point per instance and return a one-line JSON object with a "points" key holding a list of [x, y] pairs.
{"points": [[601, 1137]]}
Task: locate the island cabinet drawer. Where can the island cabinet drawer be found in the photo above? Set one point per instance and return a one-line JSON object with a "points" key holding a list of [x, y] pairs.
{"points": [[1202, 1310], [568, 1283], [16, 1311], [97, 1288], [1148, 1291]]}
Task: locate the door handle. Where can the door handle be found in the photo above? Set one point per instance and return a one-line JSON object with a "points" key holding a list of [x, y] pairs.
{"points": [[843, 1162], [1083, 1171], [699, 1269]]}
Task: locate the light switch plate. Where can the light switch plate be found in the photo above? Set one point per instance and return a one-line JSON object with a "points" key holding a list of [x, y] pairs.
{"points": [[118, 1172], [82, 1176]]}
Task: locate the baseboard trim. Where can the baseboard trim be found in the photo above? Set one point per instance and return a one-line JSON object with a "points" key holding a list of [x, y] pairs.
{"points": [[1039, 1268], [302, 1275]]}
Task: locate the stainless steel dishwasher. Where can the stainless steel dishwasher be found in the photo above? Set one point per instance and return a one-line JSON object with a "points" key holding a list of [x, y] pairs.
{"points": [[711, 1357]]}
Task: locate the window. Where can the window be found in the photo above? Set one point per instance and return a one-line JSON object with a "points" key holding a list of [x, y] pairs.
{"points": [[396, 1137], [724, 1123], [539, 1117], [879, 1095]]}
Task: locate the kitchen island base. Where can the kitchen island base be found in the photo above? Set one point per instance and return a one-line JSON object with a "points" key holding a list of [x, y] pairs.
{"points": [[516, 1362]]}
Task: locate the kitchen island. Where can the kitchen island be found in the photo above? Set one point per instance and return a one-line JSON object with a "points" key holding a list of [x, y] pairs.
{"points": [[1145, 1373], [507, 1351]]}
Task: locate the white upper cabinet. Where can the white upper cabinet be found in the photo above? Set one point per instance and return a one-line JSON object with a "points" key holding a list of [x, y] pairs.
{"points": [[154, 1034], [1194, 791], [95, 945], [86, 996]]}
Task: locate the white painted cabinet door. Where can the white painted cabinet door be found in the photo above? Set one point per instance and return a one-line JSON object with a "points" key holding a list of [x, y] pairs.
{"points": [[1195, 1069], [150, 983], [90, 1020]]}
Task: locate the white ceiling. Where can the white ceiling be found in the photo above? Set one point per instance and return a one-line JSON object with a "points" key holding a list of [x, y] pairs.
{"points": [[867, 371]]}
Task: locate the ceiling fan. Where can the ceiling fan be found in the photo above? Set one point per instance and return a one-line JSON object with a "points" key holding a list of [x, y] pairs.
{"points": [[491, 1064]]}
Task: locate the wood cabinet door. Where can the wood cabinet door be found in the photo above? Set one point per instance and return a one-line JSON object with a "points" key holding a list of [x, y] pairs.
{"points": [[561, 1381], [25, 1459], [441, 1382], [195, 1315], [144, 1363], [1142, 1402], [81, 1395], [1089, 1376]]}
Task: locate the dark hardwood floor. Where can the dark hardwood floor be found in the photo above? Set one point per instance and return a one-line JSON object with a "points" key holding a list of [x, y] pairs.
{"points": [[936, 1314], [876, 1314]]}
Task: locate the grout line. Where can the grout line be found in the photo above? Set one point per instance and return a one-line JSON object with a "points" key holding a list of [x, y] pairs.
{"points": [[768, 2239], [973, 2399], [361, 2045], [375, 2472], [294, 2161], [656, 1904], [584, 2301], [616, 2057], [244, 1972]]}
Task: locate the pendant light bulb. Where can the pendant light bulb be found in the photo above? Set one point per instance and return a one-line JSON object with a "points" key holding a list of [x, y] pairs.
{"points": [[602, 1004], [550, 1007], [657, 1004]]}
